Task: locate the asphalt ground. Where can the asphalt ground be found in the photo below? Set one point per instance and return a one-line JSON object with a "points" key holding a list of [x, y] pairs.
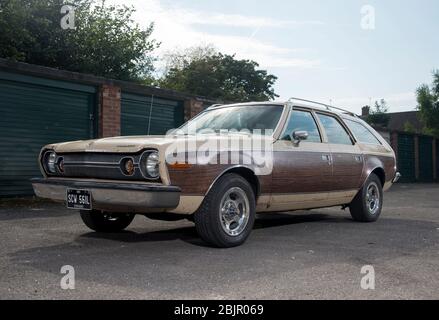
{"points": [[315, 254]]}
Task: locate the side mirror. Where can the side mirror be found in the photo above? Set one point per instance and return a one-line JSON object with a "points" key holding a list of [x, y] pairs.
{"points": [[299, 136]]}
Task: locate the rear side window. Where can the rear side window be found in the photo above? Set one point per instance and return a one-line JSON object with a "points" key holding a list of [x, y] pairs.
{"points": [[334, 130], [361, 133], [302, 121]]}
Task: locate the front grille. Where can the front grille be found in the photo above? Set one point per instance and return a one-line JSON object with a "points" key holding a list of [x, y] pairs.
{"points": [[99, 166]]}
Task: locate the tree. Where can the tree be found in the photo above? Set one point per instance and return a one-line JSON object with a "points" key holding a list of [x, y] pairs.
{"points": [[206, 72], [409, 127], [378, 115], [428, 104], [106, 41]]}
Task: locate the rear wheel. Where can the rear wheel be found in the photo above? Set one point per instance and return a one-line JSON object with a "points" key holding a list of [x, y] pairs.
{"points": [[227, 214], [368, 203], [106, 222]]}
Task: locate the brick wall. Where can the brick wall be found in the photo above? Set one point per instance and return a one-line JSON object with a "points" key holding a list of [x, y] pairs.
{"points": [[109, 111], [192, 107]]}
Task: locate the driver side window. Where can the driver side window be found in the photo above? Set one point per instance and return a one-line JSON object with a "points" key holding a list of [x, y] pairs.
{"points": [[302, 121]]}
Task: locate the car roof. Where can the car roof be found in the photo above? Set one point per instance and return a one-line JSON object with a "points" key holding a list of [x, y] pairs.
{"points": [[295, 102]]}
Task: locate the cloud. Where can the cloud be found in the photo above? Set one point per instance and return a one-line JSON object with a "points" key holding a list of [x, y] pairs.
{"points": [[179, 27], [397, 102], [237, 20]]}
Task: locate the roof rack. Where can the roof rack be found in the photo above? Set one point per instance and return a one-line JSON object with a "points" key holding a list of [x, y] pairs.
{"points": [[327, 106], [214, 106]]}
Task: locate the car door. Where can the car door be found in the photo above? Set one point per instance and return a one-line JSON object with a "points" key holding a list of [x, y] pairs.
{"points": [[302, 172], [347, 158]]}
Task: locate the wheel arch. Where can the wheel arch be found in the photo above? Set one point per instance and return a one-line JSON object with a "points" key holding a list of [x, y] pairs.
{"points": [[374, 164], [379, 171], [245, 172]]}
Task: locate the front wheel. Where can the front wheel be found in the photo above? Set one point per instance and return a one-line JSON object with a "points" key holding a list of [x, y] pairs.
{"points": [[106, 222], [227, 214], [368, 203]]}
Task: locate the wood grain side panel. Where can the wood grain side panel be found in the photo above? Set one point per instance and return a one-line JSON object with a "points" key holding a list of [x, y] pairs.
{"points": [[347, 171], [197, 179], [299, 171]]}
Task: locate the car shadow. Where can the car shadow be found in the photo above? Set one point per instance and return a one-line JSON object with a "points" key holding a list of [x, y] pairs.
{"points": [[271, 220], [189, 234], [282, 241]]}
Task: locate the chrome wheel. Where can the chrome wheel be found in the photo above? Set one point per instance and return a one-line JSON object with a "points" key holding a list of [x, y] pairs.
{"points": [[373, 198], [234, 211]]}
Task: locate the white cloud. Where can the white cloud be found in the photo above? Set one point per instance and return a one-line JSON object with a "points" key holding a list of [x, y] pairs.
{"points": [[397, 102], [237, 20], [177, 27]]}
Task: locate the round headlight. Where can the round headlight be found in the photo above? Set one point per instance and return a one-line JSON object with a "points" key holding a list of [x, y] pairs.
{"points": [[152, 165], [50, 161]]}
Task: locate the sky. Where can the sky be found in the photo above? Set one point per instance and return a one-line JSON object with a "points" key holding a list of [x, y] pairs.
{"points": [[342, 52]]}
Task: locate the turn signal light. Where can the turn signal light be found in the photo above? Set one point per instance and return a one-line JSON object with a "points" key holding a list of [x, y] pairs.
{"points": [[128, 166], [180, 166]]}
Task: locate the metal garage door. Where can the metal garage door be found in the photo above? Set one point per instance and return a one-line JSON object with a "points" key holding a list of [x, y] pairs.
{"points": [[406, 157], [35, 112], [425, 159], [437, 159], [143, 115]]}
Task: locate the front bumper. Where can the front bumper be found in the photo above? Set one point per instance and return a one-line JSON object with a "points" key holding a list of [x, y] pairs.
{"points": [[113, 196]]}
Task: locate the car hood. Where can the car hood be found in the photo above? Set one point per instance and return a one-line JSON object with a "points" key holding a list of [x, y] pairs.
{"points": [[136, 144]]}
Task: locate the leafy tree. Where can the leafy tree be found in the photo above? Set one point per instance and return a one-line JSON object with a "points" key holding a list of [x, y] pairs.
{"points": [[428, 104], [106, 41], [378, 115], [409, 127], [206, 72]]}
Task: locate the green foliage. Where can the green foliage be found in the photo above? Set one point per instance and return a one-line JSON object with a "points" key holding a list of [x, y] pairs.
{"points": [[378, 115], [428, 104], [409, 127], [106, 41], [205, 72]]}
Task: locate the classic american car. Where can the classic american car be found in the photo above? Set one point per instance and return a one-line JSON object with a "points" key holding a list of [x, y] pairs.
{"points": [[287, 156]]}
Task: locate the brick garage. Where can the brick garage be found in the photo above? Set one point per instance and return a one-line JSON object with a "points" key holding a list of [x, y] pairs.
{"points": [[110, 105], [41, 105]]}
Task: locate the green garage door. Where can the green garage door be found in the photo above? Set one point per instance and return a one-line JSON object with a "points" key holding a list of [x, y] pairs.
{"points": [[425, 159], [35, 112], [406, 157], [437, 159], [143, 115]]}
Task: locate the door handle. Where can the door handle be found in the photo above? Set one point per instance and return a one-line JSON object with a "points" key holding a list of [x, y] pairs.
{"points": [[327, 158]]}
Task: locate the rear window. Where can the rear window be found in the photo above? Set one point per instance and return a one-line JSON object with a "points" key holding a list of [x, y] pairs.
{"points": [[361, 133], [334, 130]]}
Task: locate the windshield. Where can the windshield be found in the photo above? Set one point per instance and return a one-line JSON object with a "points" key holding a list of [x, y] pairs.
{"points": [[260, 119]]}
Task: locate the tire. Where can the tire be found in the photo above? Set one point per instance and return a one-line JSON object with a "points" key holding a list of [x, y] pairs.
{"points": [[368, 203], [106, 222], [226, 217]]}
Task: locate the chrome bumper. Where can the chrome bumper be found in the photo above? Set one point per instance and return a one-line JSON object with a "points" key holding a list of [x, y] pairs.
{"points": [[113, 196], [397, 177]]}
